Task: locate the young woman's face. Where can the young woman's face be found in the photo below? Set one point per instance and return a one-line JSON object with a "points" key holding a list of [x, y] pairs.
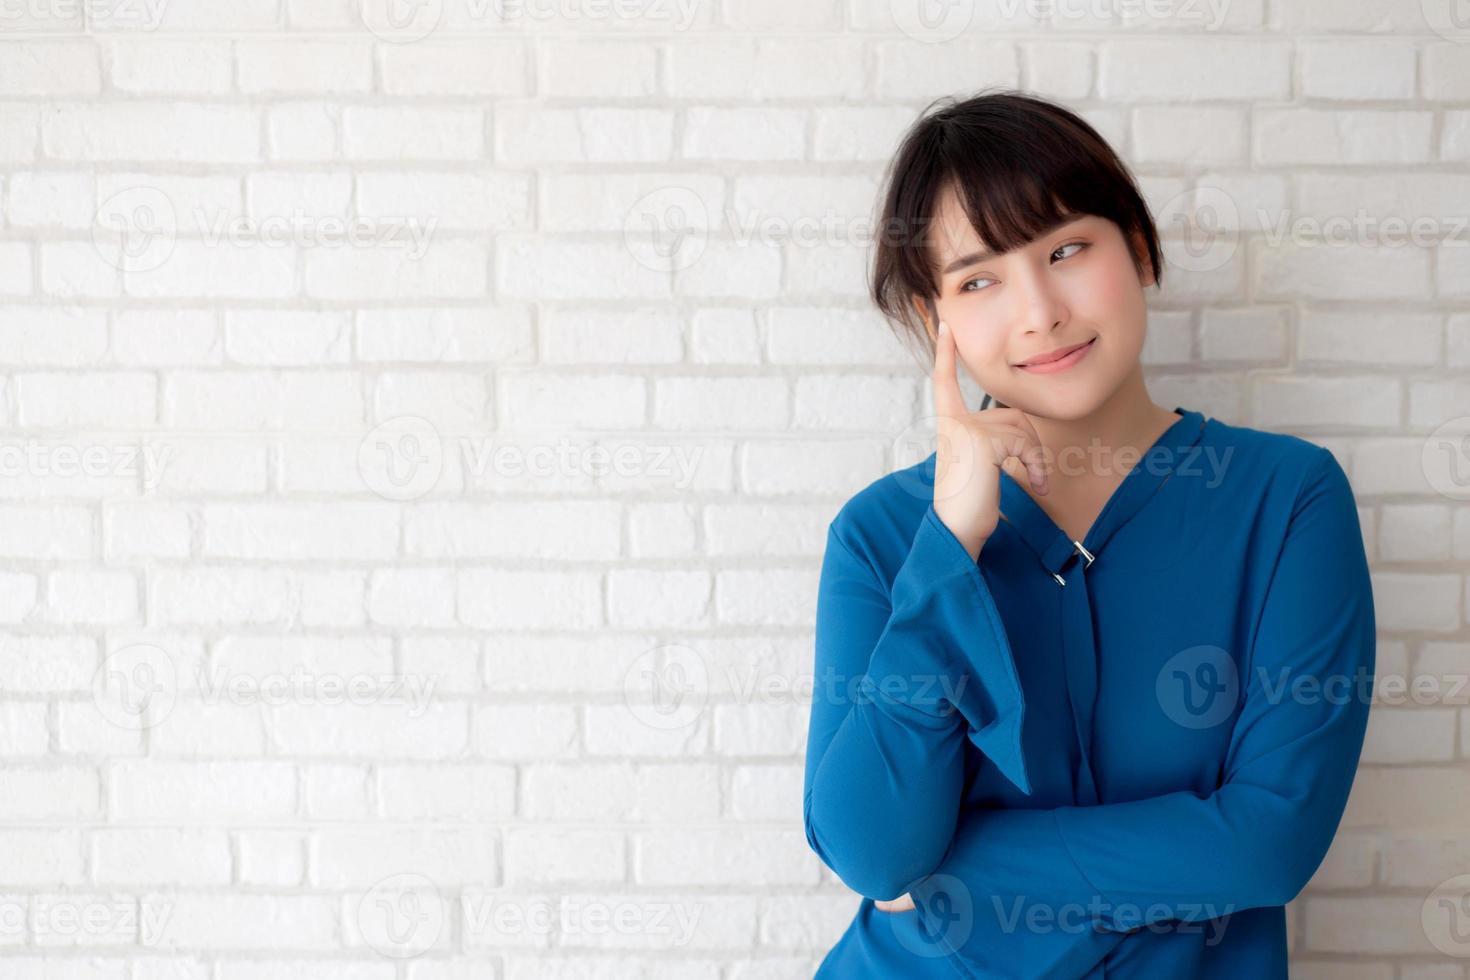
{"points": [[1075, 284]]}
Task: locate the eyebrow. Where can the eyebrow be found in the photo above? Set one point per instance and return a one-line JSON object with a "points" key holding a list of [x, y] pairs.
{"points": [[975, 258]]}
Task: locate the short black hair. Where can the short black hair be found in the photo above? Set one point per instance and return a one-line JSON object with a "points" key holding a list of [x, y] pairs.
{"points": [[1019, 165]]}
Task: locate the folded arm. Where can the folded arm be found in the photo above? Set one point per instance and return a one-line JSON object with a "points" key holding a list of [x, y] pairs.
{"points": [[1256, 839], [903, 677]]}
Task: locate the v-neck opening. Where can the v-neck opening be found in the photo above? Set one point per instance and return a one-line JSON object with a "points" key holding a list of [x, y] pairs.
{"points": [[1051, 542]]}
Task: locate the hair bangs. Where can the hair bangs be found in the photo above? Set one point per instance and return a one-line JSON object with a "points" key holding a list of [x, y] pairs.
{"points": [[1018, 165]]}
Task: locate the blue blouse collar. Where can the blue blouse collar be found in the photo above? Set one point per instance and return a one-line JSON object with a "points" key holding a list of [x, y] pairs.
{"points": [[1052, 545]]}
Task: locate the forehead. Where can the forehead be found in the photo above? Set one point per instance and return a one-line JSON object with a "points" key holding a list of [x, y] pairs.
{"points": [[950, 234]]}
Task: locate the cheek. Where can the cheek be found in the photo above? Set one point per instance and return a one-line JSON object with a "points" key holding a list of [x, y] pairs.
{"points": [[978, 344], [1103, 291], [1110, 297]]}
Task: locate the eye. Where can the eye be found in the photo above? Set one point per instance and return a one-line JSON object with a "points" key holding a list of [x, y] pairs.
{"points": [[1079, 246]]}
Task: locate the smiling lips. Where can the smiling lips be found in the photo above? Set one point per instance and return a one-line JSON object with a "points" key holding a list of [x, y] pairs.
{"points": [[1069, 356]]}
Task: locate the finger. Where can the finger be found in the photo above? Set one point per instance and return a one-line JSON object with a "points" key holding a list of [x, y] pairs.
{"points": [[1029, 450], [1009, 437], [948, 399]]}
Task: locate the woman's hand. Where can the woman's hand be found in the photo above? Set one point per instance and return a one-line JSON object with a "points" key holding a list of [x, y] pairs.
{"points": [[971, 447], [903, 903]]}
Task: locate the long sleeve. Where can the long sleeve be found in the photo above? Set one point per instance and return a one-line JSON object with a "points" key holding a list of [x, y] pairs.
{"points": [[902, 677], [1304, 691]]}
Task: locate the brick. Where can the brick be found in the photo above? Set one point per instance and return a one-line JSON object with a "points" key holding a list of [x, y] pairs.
{"points": [[218, 134], [169, 65], [300, 66], [128, 856], [765, 69], [446, 792], [455, 68], [183, 792], [1357, 69], [1194, 69], [54, 69], [600, 70], [1324, 136]]}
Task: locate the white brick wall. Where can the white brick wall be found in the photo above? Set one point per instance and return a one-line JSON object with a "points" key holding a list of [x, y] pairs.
{"points": [[355, 415]]}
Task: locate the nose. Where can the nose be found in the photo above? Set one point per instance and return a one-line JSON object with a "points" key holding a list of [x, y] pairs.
{"points": [[1042, 307]]}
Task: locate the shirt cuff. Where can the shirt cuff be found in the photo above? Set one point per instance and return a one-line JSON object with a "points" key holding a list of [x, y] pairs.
{"points": [[957, 656]]}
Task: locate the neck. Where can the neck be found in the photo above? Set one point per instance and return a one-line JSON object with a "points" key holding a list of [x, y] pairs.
{"points": [[1129, 419]]}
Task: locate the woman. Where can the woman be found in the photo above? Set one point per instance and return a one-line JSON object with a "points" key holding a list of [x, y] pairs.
{"points": [[1089, 700]]}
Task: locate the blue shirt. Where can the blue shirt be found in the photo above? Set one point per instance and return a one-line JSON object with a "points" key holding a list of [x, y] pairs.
{"points": [[1119, 757]]}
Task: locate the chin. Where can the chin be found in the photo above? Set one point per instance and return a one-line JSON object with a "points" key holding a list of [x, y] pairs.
{"points": [[1062, 403]]}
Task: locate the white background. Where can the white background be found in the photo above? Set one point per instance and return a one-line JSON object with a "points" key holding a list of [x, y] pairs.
{"points": [[251, 464]]}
